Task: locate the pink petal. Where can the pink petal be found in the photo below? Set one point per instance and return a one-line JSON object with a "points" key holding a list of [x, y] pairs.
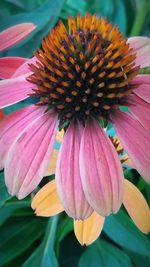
{"points": [[143, 90], [101, 171], [141, 46], [29, 156], [8, 65], [68, 175], [140, 110], [1, 115], [15, 34], [136, 142], [14, 90], [13, 125], [24, 69]]}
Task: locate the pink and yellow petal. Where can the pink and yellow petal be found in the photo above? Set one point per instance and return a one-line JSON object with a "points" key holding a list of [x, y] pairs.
{"points": [[46, 202], [137, 207], [87, 231]]}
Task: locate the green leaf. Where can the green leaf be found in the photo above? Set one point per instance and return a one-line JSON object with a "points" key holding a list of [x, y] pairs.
{"points": [[113, 10], [130, 9], [103, 254], [72, 8], [45, 256], [3, 190], [121, 230], [10, 207], [44, 16], [65, 227], [16, 235]]}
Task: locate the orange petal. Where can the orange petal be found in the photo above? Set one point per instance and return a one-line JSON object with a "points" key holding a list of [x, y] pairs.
{"points": [[137, 207], [46, 202], [52, 164], [87, 231], [59, 136]]}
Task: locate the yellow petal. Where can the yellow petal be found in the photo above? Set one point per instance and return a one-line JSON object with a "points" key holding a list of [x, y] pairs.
{"points": [[46, 202], [59, 136], [52, 165], [87, 231], [127, 161], [137, 207]]}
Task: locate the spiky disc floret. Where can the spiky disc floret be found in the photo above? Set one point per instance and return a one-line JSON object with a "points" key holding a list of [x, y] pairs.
{"points": [[84, 71]]}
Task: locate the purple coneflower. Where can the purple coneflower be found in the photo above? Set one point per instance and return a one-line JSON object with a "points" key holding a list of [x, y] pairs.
{"points": [[80, 79]]}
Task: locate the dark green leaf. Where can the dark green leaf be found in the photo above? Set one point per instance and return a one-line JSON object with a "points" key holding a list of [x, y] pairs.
{"points": [[10, 207], [114, 10], [17, 235], [121, 229], [102, 254], [44, 17], [3, 190], [45, 256], [65, 226]]}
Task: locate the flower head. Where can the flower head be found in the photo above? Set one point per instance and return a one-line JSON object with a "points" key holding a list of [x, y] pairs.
{"points": [[85, 72], [79, 78]]}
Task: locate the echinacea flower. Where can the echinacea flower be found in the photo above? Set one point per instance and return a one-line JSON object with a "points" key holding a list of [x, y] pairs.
{"points": [[10, 37], [79, 79]]}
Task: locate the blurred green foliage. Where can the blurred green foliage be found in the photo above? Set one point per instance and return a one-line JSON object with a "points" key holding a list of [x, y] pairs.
{"points": [[29, 241]]}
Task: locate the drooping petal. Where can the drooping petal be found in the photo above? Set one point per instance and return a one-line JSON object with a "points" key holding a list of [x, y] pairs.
{"points": [[13, 125], [68, 175], [46, 202], [143, 89], [140, 110], [24, 69], [14, 90], [8, 66], [137, 207], [28, 157], [136, 141], [141, 46], [15, 34], [101, 172], [1, 114], [52, 164], [87, 231]]}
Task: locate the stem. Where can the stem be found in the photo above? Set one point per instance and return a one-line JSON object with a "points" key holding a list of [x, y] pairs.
{"points": [[140, 18]]}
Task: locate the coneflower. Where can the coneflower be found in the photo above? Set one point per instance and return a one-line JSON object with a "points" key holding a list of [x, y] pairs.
{"points": [[79, 79]]}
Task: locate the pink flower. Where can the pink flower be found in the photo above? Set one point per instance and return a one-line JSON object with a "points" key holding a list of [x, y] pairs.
{"points": [[9, 38], [80, 80]]}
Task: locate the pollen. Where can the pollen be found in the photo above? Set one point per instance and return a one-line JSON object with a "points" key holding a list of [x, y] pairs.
{"points": [[84, 69]]}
